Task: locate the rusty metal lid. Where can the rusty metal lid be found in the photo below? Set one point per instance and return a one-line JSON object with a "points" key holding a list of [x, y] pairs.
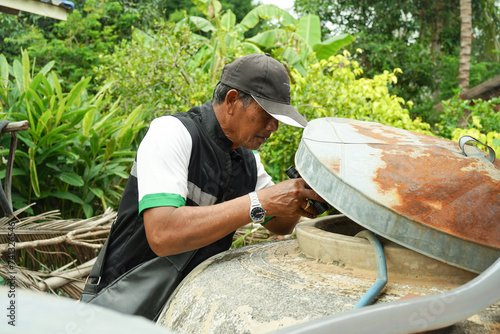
{"points": [[419, 191]]}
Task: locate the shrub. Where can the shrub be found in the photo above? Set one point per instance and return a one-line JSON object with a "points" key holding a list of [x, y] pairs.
{"points": [[92, 29], [476, 118], [156, 70], [76, 153]]}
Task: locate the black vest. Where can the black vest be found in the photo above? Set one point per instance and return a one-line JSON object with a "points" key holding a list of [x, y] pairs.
{"points": [[216, 174]]}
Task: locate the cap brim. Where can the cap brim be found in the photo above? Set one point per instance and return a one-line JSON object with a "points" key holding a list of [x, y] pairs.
{"points": [[284, 113]]}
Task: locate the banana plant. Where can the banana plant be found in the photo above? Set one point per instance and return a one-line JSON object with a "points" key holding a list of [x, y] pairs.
{"points": [[226, 39], [222, 39], [297, 45]]}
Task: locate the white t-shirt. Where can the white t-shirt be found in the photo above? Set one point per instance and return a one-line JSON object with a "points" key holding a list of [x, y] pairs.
{"points": [[162, 166]]}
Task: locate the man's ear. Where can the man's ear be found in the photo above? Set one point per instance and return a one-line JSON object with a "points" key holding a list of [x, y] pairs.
{"points": [[231, 99]]}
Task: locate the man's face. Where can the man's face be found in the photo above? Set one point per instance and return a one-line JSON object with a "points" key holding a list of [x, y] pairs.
{"points": [[253, 125]]}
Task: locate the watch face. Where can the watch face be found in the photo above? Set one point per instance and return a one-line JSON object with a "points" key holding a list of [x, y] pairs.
{"points": [[258, 213]]}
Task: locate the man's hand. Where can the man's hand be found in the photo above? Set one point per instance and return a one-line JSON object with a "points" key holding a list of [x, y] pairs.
{"points": [[289, 198], [287, 201]]}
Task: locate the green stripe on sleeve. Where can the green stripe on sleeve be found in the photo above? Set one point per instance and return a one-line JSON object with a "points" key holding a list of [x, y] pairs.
{"points": [[162, 199]]}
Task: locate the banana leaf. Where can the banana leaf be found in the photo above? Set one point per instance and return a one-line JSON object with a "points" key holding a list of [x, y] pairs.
{"points": [[332, 45]]}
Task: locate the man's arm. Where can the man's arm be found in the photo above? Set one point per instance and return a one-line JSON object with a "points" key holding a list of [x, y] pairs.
{"points": [[172, 230]]}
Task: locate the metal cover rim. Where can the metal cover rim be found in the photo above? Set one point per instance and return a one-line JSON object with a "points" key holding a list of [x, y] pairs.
{"points": [[370, 211]]}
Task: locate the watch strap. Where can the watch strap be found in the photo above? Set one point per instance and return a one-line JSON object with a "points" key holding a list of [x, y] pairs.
{"points": [[254, 199], [255, 203]]}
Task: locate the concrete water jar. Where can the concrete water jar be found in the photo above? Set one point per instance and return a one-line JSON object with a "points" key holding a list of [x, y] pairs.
{"points": [[325, 271], [415, 249]]}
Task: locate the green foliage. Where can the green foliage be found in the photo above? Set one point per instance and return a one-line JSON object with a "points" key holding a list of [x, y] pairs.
{"points": [[476, 118], [335, 88], [175, 10], [300, 42], [460, 113], [293, 40], [11, 29], [418, 64], [140, 13], [486, 42], [75, 154], [479, 73], [421, 37], [78, 43], [222, 39], [156, 70], [172, 68], [407, 20]]}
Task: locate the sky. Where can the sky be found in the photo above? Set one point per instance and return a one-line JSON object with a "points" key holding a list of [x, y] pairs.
{"points": [[283, 4]]}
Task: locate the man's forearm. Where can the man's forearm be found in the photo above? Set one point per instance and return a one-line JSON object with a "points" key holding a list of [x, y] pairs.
{"points": [[172, 230]]}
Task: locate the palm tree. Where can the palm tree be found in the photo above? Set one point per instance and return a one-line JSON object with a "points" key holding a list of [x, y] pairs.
{"points": [[465, 43]]}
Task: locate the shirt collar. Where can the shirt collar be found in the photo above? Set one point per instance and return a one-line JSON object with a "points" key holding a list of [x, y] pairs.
{"points": [[209, 120]]}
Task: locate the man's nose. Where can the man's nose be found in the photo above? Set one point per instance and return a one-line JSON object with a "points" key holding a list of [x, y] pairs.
{"points": [[272, 125]]}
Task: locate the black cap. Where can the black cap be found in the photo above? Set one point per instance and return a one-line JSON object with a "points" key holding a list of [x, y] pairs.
{"points": [[266, 80]]}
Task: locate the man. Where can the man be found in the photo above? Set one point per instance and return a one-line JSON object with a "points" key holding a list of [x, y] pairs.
{"points": [[196, 178]]}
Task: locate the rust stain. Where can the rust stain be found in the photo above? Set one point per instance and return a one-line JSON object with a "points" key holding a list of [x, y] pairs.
{"points": [[394, 136], [333, 164], [445, 192], [438, 186], [496, 163]]}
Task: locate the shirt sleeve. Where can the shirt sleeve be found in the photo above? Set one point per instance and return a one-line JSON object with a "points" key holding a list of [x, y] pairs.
{"points": [[162, 164], [264, 180]]}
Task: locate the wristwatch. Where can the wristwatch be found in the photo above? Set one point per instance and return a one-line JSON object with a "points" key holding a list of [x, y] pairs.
{"points": [[257, 212]]}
